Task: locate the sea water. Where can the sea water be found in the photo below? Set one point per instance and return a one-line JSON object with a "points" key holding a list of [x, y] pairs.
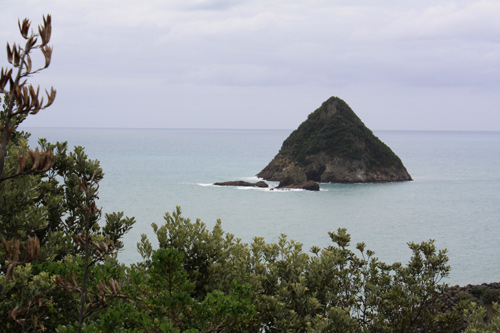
{"points": [[453, 199]]}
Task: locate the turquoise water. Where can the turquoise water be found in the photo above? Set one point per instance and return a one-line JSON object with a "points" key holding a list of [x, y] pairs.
{"points": [[453, 199]]}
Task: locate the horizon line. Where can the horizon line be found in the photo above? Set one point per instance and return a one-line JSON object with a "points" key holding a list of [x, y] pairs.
{"points": [[240, 129]]}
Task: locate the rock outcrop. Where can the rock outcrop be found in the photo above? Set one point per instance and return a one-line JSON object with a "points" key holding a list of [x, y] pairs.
{"points": [[308, 185], [295, 178], [334, 146], [261, 184]]}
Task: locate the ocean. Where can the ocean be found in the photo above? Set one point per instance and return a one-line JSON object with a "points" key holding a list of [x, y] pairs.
{"points": [[454, 198]]}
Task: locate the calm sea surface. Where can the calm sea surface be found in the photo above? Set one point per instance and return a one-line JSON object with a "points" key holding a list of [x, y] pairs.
{"points": [[454, 198]]}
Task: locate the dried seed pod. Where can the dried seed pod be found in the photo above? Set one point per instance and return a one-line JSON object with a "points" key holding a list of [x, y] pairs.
{"points": [[114, 286], [24, 28], [45, 31], [47, 21], [28, 63], [51, 97], [18, 95], [13, 315], [4, 78], [16, 55], [33, 93], [35, 157], [49, 161], [105, 247], [47, 53], [35, 104], [31, 43], [32, 249], [26, 96], [9, 53], [11, 249], [23, 159]]}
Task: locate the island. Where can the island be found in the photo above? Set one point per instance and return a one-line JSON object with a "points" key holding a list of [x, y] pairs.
{"points": [[333, 146]]}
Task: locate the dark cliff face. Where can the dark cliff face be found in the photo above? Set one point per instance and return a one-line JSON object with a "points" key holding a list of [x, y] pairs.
{"points": [[333, 145]]}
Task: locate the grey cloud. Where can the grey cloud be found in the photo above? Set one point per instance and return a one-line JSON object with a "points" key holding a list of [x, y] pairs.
{"points": [[265, 50]]}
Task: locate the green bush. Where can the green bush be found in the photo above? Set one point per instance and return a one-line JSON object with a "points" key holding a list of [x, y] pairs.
{"points": [[330, 289]]}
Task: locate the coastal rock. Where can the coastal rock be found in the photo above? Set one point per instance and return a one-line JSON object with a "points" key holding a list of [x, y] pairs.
{"points": [[261, 183], [334, 146], [308, 185], [295, 178], [484, 294]]}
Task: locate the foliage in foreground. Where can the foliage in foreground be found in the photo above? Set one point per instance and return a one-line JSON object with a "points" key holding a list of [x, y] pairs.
{"points": [[333, 289]]}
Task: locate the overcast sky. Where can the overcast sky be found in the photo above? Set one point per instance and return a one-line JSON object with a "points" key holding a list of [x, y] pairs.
{"points": [[401, 65]]}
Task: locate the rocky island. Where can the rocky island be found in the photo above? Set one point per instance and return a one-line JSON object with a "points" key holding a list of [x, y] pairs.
{"points": [[333, 146]]}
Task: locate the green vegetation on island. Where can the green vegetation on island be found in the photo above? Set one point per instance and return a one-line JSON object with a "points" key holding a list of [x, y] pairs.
{"points": [[59, 270]]}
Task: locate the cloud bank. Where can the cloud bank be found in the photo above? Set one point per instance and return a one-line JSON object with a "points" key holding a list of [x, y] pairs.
{"points": [[431, 65]]}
